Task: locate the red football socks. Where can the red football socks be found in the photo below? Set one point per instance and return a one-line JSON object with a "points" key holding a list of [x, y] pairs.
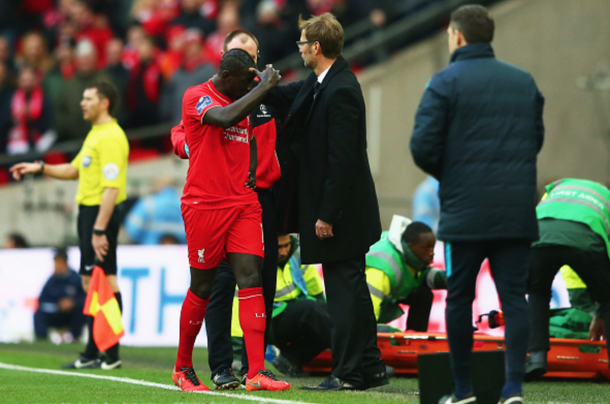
{"points": [[191, 320], [252, 318]]}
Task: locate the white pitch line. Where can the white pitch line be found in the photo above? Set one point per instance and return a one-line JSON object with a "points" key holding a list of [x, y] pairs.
{"points": [[145, 383]]}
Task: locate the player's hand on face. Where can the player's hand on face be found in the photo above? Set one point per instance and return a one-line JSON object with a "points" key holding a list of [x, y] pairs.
{"points": [[20, 169], [100, 246], [251, 183], [269, 76]]}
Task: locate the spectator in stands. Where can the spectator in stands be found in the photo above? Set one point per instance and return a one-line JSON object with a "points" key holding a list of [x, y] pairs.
{"points": [[6, 94], [30, 110], [118, 73], [144, 87], [151, 15], [194, 70], [191, 16], [409, 248], [15, 240], [114, 67], [228, 20], [426, 205], [34, 53], [273, 31], [6, 57], [64, 69], [156, 215], [61, 301], [68, 116], [93, 27], [172, 59], [135, 37]]}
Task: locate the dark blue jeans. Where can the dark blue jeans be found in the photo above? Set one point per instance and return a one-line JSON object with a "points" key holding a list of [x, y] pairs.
{"points": [[509, 263]]}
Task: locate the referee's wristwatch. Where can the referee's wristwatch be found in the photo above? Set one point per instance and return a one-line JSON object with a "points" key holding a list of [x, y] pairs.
{"points": [[99, 232]]}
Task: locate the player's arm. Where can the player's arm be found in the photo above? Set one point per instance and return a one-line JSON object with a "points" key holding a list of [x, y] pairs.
{"points": [[64, 171], [232, 114], [178, 137], [99, 239]]}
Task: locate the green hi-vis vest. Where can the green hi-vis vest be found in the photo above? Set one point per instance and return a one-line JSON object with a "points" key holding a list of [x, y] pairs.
{"points": [[289, 288], [385, 257], [580, 201]]}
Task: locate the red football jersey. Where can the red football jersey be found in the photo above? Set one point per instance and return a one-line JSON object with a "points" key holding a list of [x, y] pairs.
{"points": [[219, 159]]}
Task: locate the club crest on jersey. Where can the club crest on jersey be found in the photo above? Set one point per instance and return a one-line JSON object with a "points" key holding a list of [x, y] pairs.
{"points": [[202, 103], [200, 253]]}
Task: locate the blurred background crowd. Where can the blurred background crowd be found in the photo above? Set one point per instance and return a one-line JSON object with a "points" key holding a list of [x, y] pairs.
{"points": [[153, 50]]}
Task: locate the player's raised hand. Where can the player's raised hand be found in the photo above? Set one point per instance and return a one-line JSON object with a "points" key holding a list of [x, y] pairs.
{"points": [[20, 169], [270, 76]]}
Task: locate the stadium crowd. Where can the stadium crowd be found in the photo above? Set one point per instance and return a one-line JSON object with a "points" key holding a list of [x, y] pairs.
{"points": [[153, 50]]}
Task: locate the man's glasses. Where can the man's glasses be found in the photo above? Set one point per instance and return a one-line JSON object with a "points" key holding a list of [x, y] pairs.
{"points": [[300, 44]]}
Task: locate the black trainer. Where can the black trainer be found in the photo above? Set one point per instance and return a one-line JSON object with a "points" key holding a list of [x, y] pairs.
{"points": [[225, 379], [109, 364], [82, 362]]}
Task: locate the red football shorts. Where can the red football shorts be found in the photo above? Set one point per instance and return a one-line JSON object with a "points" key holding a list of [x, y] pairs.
{"points": [[210, 234]]}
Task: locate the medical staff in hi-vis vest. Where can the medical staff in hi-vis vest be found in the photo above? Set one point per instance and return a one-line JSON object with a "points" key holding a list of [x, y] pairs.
{"points": [[574, 223], [300, 326], [398, 271]]}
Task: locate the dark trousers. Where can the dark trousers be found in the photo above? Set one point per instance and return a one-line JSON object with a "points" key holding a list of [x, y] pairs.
{"points": [[219, 311], [302, 330], [420, 304], [356, 356], [75, 320], [592, 267], [509, 262]]}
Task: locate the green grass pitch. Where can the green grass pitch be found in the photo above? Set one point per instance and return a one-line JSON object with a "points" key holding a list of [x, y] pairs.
{"points": [[153, 365]]}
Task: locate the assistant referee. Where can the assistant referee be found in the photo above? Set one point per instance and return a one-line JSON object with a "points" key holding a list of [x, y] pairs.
{"points": [[101, 168]]}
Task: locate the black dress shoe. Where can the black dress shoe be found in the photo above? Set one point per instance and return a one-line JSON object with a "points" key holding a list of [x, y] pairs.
{"points": [[535, 365], [331, 383], [376, 380]]}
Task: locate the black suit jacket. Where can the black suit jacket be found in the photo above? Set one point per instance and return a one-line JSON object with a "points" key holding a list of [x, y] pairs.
{"points": [[325, 167]]}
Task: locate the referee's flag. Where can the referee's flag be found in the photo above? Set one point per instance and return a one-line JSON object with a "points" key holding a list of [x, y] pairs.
{"points": [[104, 308]]}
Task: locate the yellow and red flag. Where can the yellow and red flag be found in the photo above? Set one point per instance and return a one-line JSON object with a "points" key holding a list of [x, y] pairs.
{"points": [[102, 305]]}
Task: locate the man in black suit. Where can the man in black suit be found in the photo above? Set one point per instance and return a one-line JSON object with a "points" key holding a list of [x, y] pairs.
{"points": [[328, 196]]}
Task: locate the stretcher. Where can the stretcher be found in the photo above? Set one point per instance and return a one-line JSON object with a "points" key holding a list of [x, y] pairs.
{"points": [[568, 358]]}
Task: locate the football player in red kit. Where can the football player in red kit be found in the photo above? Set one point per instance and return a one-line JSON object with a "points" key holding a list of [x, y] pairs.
{"points": [[221, 213]]}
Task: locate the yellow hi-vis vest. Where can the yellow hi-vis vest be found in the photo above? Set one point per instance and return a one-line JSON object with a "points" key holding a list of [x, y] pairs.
{"points": [[286, 291]]}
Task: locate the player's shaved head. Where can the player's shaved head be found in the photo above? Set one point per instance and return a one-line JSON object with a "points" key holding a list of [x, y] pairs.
{"points": [[236, 61]]}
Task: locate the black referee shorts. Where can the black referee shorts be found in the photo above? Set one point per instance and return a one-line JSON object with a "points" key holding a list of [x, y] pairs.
{"points": [[86, 220]]}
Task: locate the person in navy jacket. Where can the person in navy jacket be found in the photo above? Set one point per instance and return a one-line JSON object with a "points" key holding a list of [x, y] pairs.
{"points": [[478, 130], [61, 301]]}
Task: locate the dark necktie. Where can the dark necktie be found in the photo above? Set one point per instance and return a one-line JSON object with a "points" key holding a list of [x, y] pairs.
{"points": [[316, 89]]}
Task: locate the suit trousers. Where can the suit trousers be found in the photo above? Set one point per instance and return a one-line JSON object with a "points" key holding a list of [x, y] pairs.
{"points": [[592, 267], [509, 263], [219, 311], [356, 356]]}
